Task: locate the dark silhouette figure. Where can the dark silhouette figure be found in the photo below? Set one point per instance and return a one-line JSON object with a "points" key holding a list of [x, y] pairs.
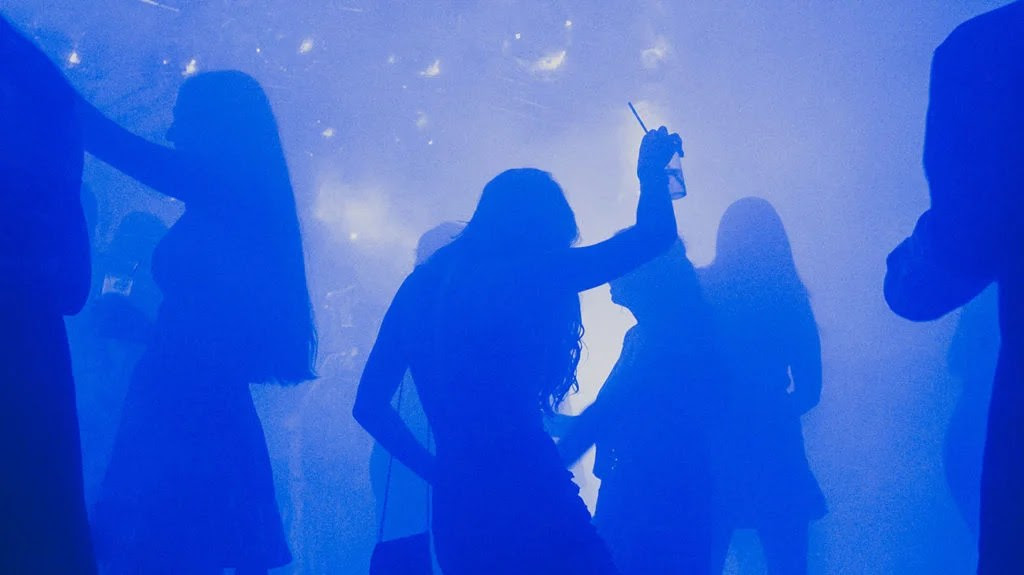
{"points": [[189, 487], [972, 358], [651, 423], [44, 275], [770, 343], [971, 237], [406, 493], [490, 328]]}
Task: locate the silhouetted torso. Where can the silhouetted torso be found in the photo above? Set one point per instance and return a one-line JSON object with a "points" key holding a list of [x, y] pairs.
{"points": [[190, 477], [44, 275], [971, 237], [655, 503], [764, 474]]}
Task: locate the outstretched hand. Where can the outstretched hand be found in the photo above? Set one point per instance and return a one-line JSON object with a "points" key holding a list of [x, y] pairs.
{"points": [[656, 150]]}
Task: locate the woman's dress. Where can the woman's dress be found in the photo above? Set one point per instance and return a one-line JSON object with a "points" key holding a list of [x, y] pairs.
{"points": [[190, 481], [764, 477]]}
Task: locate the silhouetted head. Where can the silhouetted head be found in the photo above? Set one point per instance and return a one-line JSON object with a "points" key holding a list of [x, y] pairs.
{"points": [[223, 123], [753, 245], [656, 286], [521, 211], [436, 238], [223, 116]]}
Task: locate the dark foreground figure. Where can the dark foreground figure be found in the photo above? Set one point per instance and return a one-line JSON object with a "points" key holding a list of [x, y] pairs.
{"points": [[490, 328], [652, 424], [189, 488], [770, 344], [971, 237], [44, 275]]}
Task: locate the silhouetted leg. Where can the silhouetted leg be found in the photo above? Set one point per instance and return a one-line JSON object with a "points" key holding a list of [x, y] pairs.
{"points": [[1000, 548], [785, 547]]}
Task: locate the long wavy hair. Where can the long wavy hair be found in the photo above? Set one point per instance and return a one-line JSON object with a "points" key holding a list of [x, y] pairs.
{"points": [[234, 114], [522, 214]]}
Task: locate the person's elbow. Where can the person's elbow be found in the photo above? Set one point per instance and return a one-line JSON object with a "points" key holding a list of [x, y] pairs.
{"points": [[912, 299], [906, 304]]}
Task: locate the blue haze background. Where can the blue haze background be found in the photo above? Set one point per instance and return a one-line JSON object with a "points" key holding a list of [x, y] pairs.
{"points": [[395, 114]]}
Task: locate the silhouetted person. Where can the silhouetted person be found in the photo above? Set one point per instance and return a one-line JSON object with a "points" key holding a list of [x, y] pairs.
{"points": [[408, 494], [490, 329], [769, 341], [189, 488], [972, 359], [971, 237], [44, 275], [651, 424]]}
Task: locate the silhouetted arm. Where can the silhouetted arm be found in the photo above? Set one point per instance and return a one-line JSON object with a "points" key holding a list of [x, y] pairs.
{"points": [[384, 371], [156, 166], [580, 269], [805, 363], [954, 251]]}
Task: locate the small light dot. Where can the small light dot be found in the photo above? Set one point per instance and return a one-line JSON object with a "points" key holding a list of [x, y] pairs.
{"points": [[430, 142], [392, 59], [74, 58], [519, 36], [191, 68], [165, 61], [568, 23], [328, 133], [259, 50], [353, 236], [306, 46]]}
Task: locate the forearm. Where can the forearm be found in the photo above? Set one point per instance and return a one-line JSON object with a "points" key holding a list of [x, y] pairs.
{"points": [[154, 165], [387, 427], [654, 232], [924, 281], [655, 217]]}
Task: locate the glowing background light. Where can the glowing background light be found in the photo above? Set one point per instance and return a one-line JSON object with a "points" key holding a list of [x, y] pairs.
{"points": [[817, 106]]}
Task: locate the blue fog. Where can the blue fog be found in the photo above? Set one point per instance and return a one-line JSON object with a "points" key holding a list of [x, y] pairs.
{"points": [[393, 116]]}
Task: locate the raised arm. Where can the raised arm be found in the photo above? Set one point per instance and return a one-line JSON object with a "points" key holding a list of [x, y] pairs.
{"points": [[156, 166], [580, 269], [384, 371]]}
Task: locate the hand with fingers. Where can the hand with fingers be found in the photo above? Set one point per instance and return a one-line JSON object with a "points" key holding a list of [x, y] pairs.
{"points": [[656, 150]]}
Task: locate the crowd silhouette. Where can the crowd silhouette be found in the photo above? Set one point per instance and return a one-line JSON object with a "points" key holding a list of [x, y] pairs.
{"points": [[697, 429]]}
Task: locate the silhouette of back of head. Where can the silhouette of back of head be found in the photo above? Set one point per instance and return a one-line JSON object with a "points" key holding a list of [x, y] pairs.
{"points": [[753, 248], [521, 211], [225, 126]]}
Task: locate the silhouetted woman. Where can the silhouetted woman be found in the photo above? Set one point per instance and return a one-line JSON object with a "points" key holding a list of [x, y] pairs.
{"points": [[651, 423], [769, 340], [490, 329], [189, 487], [44, 275]]}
